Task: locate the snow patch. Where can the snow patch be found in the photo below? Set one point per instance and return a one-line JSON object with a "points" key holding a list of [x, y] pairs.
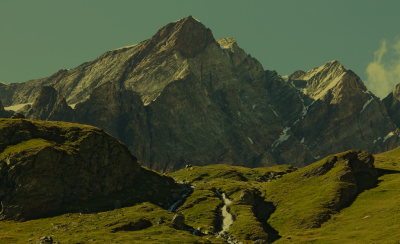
{"points": [[72, 105], [274, 111], [302, 140], [377, 139], [388, 136], [283, 137], [317, 157], [366, 104], [250, 140], [17, 107]]}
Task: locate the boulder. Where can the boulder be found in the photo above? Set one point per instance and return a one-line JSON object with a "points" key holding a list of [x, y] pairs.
{"points": [[178, 221], [18, 116]]}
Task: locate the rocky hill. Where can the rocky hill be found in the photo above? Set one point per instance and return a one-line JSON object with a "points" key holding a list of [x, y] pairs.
{"points": [[86, 187], [47, 167], [330, 110], [182, 97]]}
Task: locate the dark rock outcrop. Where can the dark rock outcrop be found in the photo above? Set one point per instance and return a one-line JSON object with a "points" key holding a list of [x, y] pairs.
{"points": [[18, 116], [330, 110], [392, 104], [46, 164], [4, 113], [49, 105]]}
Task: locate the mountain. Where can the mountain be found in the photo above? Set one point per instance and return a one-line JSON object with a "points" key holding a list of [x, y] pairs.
{"points": [[200, 102], [392, 104], [330, 110], [182, 97]]}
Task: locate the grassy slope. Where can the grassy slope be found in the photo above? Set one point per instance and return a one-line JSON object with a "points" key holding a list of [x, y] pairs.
{"points": [[372, 218], [86, 222], [202, 207], [301, 202]]}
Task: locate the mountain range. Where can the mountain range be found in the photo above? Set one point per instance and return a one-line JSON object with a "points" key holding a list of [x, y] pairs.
{"points": [[182, 97]]}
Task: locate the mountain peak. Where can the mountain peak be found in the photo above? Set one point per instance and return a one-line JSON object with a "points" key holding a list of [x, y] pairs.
{"points": [[189, 18], [188, 36]]}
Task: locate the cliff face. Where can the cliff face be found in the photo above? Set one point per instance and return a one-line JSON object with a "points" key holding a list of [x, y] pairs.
{"points": [[392, 104], [330, 110], [46, 164], [4, 113]]}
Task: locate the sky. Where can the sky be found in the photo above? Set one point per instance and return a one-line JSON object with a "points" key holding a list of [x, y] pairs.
{"points": [[38, 38]]}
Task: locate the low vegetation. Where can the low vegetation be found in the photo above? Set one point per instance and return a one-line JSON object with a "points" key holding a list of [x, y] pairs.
{"points": [[325, 202]]}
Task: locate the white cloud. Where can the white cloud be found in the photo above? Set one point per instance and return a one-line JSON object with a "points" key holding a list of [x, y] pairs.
{"points": [[384, 74]]}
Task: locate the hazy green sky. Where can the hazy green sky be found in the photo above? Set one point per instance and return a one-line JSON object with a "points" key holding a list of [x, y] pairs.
{"points": [[37, 38]]}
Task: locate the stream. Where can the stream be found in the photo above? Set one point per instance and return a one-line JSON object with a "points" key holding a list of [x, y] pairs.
{"points": [[227, 221], [185, 194]]}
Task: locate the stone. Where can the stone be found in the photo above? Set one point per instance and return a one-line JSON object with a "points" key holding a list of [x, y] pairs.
{"points": [[247, 198], [178, 221], [160, 221], [260, 241], [18, 116], [45, 239]]}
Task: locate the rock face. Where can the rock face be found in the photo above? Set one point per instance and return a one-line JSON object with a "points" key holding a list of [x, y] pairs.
{"points": [[45, 164], [49, 105], [392, 104], [182, 97], [4, 113], [330, 110]]}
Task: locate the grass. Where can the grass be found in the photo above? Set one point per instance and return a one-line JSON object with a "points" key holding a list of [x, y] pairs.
{"points": [[371, 218], [27, 146], [306, 202], [100, 228], [202, 208]]}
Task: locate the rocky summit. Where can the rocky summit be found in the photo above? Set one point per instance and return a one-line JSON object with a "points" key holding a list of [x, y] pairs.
{"points": [[182, 97]]}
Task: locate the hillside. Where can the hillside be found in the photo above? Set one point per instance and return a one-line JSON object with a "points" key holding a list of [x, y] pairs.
{"points": [[332, 200]]}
